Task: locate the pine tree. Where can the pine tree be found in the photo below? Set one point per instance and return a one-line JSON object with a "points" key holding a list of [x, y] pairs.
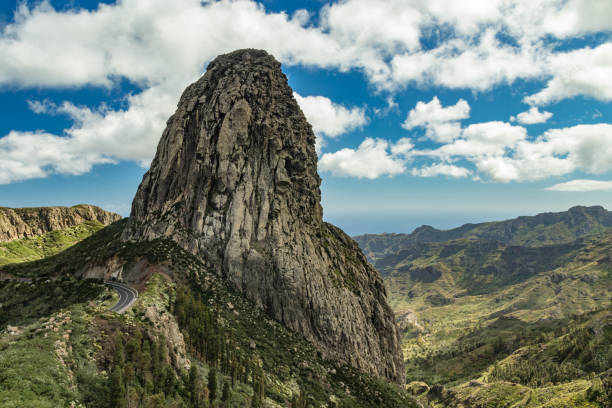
{"points": [[145, 360], [255, 401], [258, 389], [117, 388], [299, 401], [193, 383], [226, 392], [129, 373], [212, 384], [118, 352], [169, 381]]}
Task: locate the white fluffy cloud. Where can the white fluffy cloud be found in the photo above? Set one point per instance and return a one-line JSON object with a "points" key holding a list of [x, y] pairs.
{"points": [[425, 113], [25, 155], [441, 169], [488, 139], [441, 124], [498, 151], [582, 186], [587, 147], [370, 160], [402, 147], [162, 46], [97, 136], [153, 40], [130, 134], [576, 17], [473, 63], [330, 119], [358, 22], [502, 153], [148, 41], [532, 116], [585, 71]]}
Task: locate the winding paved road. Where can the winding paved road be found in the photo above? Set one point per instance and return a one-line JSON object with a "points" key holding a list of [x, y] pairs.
{"points": [[127, 296]]}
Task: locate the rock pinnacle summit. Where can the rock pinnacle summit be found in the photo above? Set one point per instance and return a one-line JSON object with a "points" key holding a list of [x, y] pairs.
{"points": [[235, 182]]}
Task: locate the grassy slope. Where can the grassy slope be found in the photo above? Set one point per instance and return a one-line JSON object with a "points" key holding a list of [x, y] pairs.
{"points": [[465, 305], [547, 372], [289, 362], [51, 243], [40, 364]]}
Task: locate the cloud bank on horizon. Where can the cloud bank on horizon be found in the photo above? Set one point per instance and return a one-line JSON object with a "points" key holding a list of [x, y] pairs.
{"points": [[562, 46]]}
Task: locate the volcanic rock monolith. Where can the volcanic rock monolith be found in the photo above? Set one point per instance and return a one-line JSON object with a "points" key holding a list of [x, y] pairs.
{"points": [[235, 182]]}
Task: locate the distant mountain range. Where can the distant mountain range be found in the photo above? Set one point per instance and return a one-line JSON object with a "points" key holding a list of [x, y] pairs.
{"points": [[531, 231], [499, 304]]}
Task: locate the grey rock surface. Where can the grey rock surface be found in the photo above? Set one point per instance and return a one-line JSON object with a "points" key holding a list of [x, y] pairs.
{"points": [[18, 223], [235, 182]]}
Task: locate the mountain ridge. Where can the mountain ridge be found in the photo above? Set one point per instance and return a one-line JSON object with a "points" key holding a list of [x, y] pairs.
{"points": [[19, 223], [502, 311], [538, 230]]}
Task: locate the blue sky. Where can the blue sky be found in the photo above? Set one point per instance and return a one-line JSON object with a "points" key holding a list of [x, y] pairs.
{"points": [[426, 112]]}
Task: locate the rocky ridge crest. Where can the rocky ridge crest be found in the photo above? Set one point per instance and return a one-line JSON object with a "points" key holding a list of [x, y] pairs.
{"points": [[235, 182], [18, 223]]}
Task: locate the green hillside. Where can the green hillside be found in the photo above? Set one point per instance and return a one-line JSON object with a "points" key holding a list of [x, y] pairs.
{"points": [[568, 366], [483, 323], [487, 323], [51, 243], [533, 231], [93, 357]]}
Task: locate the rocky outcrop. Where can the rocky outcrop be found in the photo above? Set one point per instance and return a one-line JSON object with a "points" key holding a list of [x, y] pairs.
{"points": [[17, 223], [235, 182]]}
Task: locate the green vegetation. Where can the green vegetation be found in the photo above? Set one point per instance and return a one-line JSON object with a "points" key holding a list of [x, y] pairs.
{"points": [[506, 394], [483, 324], [137, 358], [493, 304], [142, 369], [24, 302], [92, 250], [51, 243], [46, 354], [572, 352], [488, 323], [225, 331], [29, 369], [540, 230]]}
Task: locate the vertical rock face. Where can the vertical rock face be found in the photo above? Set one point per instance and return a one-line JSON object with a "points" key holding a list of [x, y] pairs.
{"points": [[235, 181], [17, 223]]}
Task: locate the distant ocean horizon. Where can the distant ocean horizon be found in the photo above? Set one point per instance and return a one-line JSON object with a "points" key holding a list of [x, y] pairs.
{"points": [[404, 223]]}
